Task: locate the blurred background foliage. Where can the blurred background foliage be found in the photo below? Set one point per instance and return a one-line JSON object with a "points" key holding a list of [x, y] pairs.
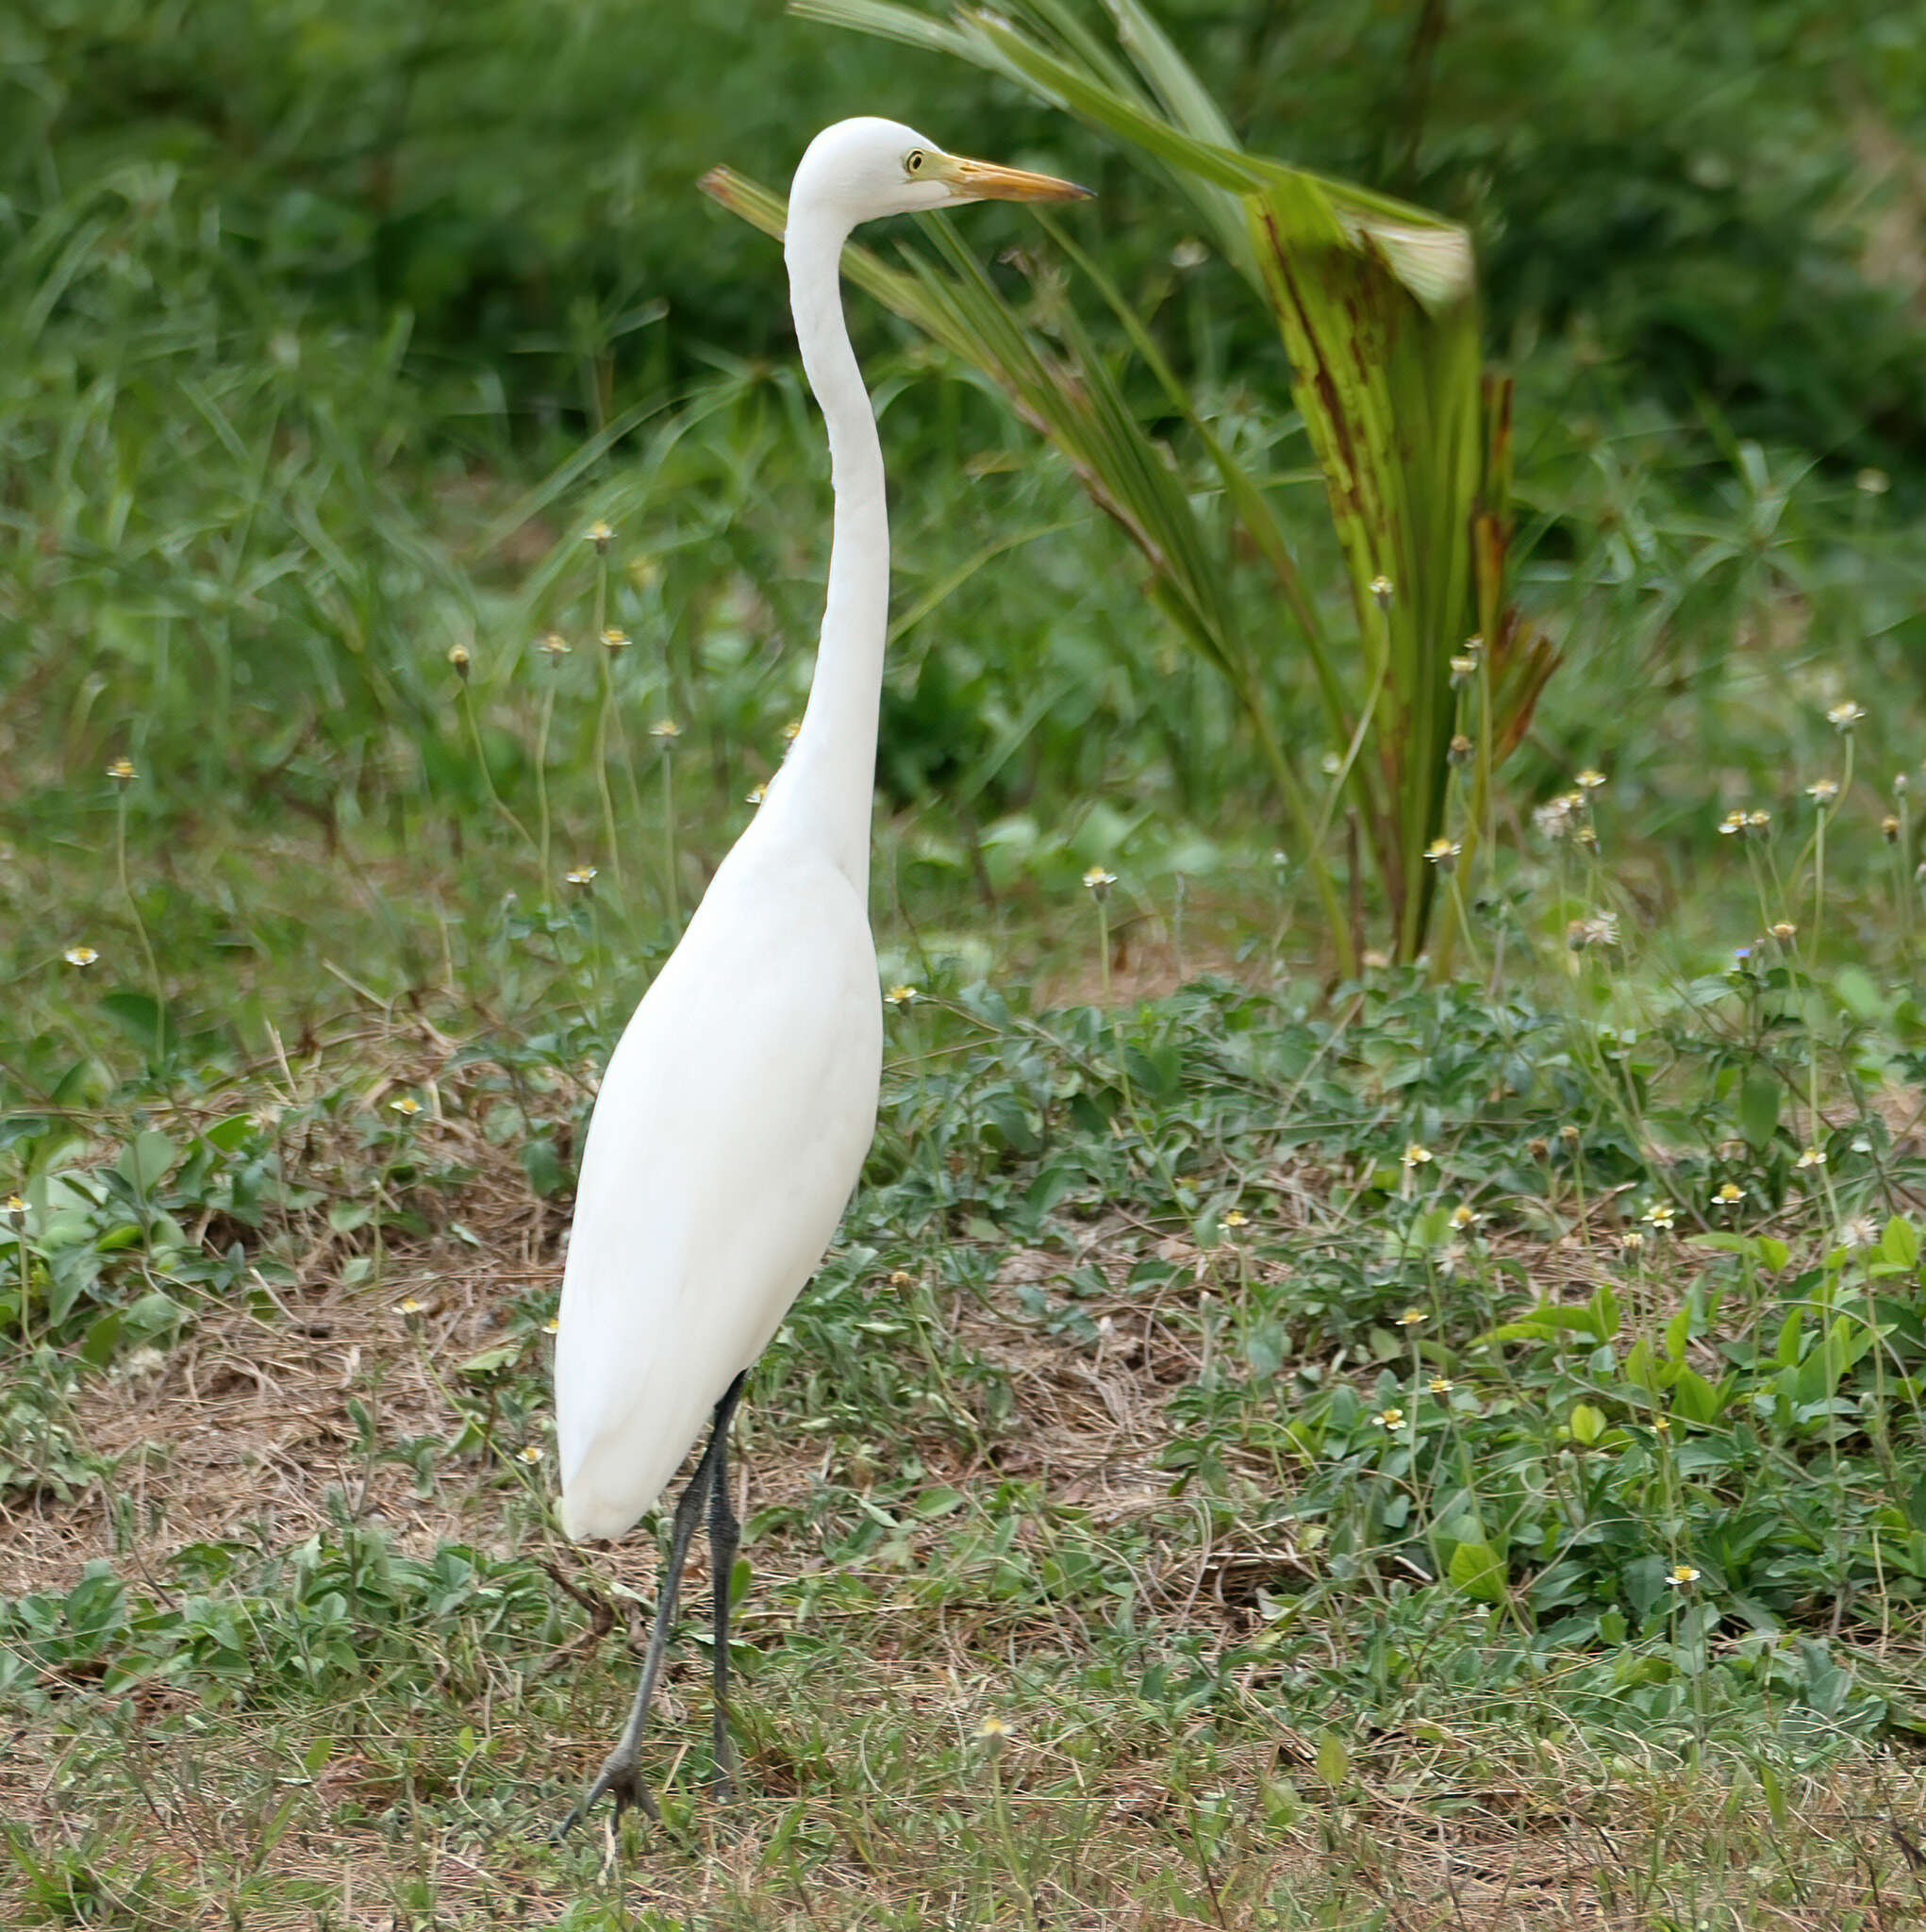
{"points": [[1726, 196], [327, 328]]}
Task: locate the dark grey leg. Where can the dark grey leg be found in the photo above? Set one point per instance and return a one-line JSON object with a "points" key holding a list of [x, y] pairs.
{"points": [[725, 1538], [620, 1773]]}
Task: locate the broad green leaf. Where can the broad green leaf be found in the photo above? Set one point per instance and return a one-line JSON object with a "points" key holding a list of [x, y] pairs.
{"points": [[1678, 1331], [1698, 1400], [1587, 1425], [145, 1159], [1758, 1108], [1478, 1570], [1900, 1244], [225, 1136], [1606, 1311]]}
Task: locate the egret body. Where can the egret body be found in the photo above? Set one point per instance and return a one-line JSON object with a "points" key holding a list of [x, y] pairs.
{"points": [[736, 1110]]}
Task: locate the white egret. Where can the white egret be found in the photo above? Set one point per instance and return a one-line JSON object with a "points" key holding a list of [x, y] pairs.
{"points": [[742, 1099]]}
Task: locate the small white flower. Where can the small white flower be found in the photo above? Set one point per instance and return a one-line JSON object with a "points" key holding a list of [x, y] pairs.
{"points": [[1858, 1231]]}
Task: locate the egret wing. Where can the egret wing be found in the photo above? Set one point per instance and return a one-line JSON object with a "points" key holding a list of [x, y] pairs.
{"points": [[729, 1131]]}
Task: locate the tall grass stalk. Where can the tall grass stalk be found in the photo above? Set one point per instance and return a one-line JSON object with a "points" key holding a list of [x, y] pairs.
{"points": [[1905, 889], [613, 642], [120, 786], [465, 698], [553, 648], [666, 734]]}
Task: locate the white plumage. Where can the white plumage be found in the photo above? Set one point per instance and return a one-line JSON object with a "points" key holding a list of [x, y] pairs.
{"points": [[730, 1130]]}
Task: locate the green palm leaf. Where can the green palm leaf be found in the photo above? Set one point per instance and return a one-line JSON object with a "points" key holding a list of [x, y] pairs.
{"points": [[1376, 303]]}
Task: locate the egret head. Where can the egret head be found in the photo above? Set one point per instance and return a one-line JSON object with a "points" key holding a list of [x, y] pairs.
{"points": [[864, 168]]}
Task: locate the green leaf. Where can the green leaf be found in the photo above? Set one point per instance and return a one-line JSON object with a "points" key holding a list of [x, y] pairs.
{"points": [[1858, 995], [1826, 1685], [1334, 1758], [225, 1136], [1587, 1425], [1698, 1400], [1478, 1570], [1678, 1332], [1900, 1244], [492, 1362], [154, 1314], [102, 1338], [1758, 1108], [139, 1015], [541, 1164], [145, 1159], [1606, 1311]]}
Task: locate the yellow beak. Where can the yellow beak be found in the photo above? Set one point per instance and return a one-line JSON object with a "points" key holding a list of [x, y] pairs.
{"points": [[984, 181]]}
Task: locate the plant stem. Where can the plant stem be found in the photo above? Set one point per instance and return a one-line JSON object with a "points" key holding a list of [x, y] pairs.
{"points": [[139, 924]]}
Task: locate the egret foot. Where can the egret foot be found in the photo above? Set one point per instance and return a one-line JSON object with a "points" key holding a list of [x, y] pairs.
{"points": [[621, 1775], [621, 1778]]}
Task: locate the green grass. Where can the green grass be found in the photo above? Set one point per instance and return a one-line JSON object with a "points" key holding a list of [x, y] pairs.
{"points": [[1114, 1418]]}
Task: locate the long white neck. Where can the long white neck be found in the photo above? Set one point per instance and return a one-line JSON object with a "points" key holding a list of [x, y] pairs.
{"points": [[828, 781]]}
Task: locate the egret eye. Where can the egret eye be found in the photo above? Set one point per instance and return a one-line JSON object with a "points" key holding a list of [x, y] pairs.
{"points": [[912, 161]]}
